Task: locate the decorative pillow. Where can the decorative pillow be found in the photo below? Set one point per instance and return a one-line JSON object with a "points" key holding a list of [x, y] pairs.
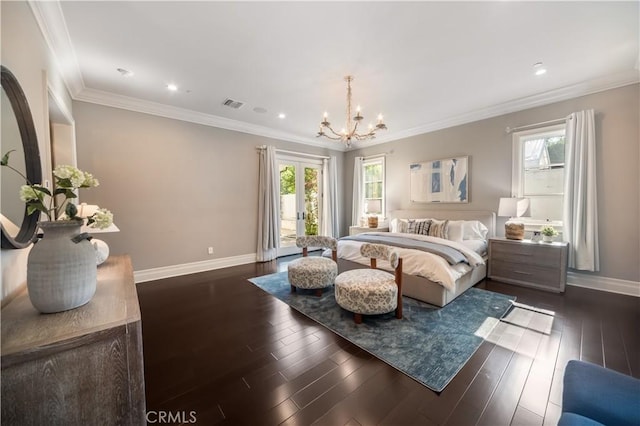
{"points": [[393, 225], [404, 225], [474, 230], [411, 226], [455, 230], [438, 228], [422, 226]]}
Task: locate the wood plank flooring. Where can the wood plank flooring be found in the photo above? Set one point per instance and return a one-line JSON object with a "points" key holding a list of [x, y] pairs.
{"points": [[216, 345]]}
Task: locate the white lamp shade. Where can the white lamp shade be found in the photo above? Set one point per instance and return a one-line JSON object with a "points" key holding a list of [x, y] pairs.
{"points": [[514, 207], [373, 207]]}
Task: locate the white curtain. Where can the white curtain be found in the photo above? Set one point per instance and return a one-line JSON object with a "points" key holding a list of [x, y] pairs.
{"points": [[330, 226], [580, 215], [268, 205], [357, 208]]}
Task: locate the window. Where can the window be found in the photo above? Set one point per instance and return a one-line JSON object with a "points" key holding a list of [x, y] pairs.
{"points": [[373, 191], [538, 172]]}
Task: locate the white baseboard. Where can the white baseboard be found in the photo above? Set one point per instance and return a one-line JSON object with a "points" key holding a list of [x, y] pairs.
{"points": [[612, 285], [191, 268]]}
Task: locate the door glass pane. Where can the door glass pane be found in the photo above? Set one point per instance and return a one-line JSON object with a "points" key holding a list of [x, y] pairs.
{"points": [[311, 206], [288, 208]]}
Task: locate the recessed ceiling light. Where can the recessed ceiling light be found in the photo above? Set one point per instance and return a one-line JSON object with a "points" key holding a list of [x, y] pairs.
{"points": [[539, 69], [124, 72], [282, 115], [172, 87]]}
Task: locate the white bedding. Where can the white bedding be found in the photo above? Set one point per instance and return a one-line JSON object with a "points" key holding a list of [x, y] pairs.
{"points": [[416, 262]]}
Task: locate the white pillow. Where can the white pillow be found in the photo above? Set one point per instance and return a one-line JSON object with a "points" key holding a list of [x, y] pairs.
{"points": [[474, 230], [393, 225], [478, 246], [455, 231]]}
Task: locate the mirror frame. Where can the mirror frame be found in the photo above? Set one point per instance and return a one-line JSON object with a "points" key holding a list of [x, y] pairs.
{"points": [[20, 106]]}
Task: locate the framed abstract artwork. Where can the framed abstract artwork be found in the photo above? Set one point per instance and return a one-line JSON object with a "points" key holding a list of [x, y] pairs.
{"points": [[440, 181]]}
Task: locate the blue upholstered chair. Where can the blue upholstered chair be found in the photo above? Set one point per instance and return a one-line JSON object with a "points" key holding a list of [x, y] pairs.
{"points": [[594, 395]]}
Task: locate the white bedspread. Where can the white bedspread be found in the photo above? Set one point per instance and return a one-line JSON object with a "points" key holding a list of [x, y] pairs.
{"points": [[416, 262]]}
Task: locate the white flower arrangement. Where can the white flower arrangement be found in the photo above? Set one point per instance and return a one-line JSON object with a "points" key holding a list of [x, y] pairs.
{"points": [[68, 180]]}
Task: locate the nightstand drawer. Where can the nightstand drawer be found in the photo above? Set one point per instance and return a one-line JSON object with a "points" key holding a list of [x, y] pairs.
{"points": [[528, 263], [548, 277], [527, 253]]}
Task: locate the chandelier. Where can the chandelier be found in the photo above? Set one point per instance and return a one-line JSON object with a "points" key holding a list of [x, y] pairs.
{"points": [[350, 131]]}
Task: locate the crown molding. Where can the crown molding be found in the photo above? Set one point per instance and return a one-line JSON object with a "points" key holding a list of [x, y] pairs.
{"points": [[50, 19], [569, 92], [154, 108]]}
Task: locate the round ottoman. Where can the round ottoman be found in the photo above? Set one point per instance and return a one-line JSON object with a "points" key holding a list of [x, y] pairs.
{"points": [[312, 272], [366, 292]]}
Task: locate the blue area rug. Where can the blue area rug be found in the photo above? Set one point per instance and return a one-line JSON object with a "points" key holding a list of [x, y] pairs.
{"points": [[430, 344]]}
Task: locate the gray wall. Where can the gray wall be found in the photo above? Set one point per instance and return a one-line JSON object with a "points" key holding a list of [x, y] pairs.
{"points": [[489, 148], [175, 188]]}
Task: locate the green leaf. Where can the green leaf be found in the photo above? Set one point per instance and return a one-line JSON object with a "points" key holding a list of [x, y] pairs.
{"points": [[70, 194], [33, 207], [41, 189], [5, 158]]}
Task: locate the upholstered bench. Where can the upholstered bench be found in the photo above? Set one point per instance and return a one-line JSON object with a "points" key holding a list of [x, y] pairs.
{"points": [[314, 272], [371, 291]]}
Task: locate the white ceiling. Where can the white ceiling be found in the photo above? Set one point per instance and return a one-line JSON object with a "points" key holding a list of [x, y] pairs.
{"points": [[424, 65]]}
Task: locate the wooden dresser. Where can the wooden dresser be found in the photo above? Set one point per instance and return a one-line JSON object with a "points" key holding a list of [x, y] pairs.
{"points": [[79, 367], [529, 263]]}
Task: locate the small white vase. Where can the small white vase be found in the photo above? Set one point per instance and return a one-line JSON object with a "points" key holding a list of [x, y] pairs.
{"points": [[61, 268], [547, 238]]}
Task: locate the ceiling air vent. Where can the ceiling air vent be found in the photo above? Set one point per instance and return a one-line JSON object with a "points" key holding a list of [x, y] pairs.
{"points": [[232, 104]]}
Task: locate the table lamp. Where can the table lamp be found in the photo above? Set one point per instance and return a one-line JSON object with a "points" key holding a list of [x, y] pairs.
{"points": [[514, 208]]}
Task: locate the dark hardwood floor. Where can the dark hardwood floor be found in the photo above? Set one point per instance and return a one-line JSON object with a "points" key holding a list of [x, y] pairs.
{"points": [[217, 346]]}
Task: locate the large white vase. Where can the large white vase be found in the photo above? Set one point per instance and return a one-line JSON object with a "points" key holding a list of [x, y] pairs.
{"points": [[61, 268]]}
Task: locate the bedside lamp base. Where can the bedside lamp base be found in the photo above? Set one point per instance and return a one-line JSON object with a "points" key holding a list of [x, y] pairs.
{"points": [[514, 231]]}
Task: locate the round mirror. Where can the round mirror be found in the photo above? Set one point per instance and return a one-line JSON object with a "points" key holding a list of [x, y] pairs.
{"points": [[18, 134]]}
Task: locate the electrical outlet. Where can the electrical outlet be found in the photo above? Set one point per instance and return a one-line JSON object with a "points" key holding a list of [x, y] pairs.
{"points": [[210, 250]]}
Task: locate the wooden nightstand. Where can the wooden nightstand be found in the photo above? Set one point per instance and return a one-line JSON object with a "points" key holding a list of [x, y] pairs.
{"points": [[355, 230], [529, 263]]}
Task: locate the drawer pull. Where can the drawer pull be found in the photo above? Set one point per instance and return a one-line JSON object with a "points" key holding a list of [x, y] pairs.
{"points": [[523, 273]]}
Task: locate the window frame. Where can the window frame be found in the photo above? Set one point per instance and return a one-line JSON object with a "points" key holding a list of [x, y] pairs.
{"points": [[383, 208], [518, 172]]}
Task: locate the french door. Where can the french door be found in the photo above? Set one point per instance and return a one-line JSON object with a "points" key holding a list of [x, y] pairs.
{"points": [[300, 201]]}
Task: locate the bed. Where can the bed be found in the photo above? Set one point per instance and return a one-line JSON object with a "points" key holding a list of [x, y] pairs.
{"points": [[431, 276]]}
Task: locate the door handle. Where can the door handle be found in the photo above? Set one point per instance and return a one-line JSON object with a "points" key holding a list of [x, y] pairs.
{"points": [[303, 217]]}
